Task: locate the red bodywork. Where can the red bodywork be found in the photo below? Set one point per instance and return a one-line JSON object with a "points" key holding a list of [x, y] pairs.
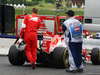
{"points": [[85, 32], [50, 42], [85, 54]]}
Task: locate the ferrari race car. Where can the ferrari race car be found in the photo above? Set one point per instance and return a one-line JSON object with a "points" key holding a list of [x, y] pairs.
{"points": [[51, 50]]}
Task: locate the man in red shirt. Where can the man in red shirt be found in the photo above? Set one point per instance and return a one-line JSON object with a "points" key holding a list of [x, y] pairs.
{"points": [[30, 25]]}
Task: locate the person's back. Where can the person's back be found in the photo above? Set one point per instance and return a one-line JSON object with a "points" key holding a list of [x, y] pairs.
{"points": [[74, 30], [32, 24]]}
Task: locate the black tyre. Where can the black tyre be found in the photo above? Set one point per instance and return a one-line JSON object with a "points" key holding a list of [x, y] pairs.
{"points": [[60, 57], [95, 56], [14, 56]]}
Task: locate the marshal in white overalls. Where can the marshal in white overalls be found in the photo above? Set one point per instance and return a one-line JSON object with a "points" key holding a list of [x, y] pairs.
{"points": [[73, 38]]}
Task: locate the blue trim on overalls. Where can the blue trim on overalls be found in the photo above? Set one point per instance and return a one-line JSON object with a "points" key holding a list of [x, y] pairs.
{"points": [[69, 36]]}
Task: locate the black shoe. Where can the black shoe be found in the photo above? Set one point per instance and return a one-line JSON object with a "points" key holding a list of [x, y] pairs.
{"points": [[71, 71], [33, 65], [80, 70]]}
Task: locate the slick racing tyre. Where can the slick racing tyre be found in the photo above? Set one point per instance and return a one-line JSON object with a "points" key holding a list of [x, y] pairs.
{"points": [[95, 56], [14, 56], [60, 57]]}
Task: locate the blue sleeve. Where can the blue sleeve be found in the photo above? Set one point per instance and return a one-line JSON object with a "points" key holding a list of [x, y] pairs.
{"points": [[64, 28]]}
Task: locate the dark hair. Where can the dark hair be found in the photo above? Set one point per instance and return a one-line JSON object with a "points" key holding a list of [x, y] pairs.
{"points": [[25, 13], [70, 13], [35, 10]]}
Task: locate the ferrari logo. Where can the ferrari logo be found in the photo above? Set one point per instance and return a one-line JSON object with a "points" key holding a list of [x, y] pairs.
{"points": [[56, 40]]}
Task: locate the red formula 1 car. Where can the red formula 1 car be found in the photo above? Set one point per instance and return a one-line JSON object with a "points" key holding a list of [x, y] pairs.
{"points": [[52, 50]]}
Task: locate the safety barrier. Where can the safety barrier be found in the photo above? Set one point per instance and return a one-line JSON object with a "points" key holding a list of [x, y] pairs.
{"points": [[5, 44], [91, 43]]}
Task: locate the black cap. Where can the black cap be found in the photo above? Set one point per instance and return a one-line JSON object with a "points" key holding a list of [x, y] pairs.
{"points": [[70, 13]]}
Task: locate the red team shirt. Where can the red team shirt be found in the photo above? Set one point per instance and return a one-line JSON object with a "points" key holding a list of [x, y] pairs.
{"points": [[30, 25]]}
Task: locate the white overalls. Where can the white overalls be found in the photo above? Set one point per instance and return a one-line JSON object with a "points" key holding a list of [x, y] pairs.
{"points": [[73, 38]]}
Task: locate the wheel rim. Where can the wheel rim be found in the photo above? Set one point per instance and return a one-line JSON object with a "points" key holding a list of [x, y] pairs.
{"points": [[99, 56], [65, 58]]}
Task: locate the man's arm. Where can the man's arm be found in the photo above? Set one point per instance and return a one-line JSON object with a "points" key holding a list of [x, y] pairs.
{"points": [[23, 27], [39, 23], [22, 32], [64, 28]]}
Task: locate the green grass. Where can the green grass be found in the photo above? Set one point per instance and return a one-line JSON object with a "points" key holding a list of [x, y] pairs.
{"points": [[29, 0], [44, 6], [46, 9], [45, 12]]}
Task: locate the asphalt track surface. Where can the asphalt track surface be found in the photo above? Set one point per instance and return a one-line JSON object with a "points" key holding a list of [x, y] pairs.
{"points": [[42, 69]]}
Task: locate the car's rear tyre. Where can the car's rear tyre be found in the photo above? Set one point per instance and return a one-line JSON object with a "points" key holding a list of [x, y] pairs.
{"points": [[15, 58], [95, 56], [60, 57]]}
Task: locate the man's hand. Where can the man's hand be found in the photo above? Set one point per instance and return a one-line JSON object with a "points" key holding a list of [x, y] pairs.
{"points": [[22, 38]]}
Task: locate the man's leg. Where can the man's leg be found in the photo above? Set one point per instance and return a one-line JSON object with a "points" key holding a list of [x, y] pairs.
{"points": [[79, 56], [28, 50], [79, 63], [72, 56], [34, 50]]}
